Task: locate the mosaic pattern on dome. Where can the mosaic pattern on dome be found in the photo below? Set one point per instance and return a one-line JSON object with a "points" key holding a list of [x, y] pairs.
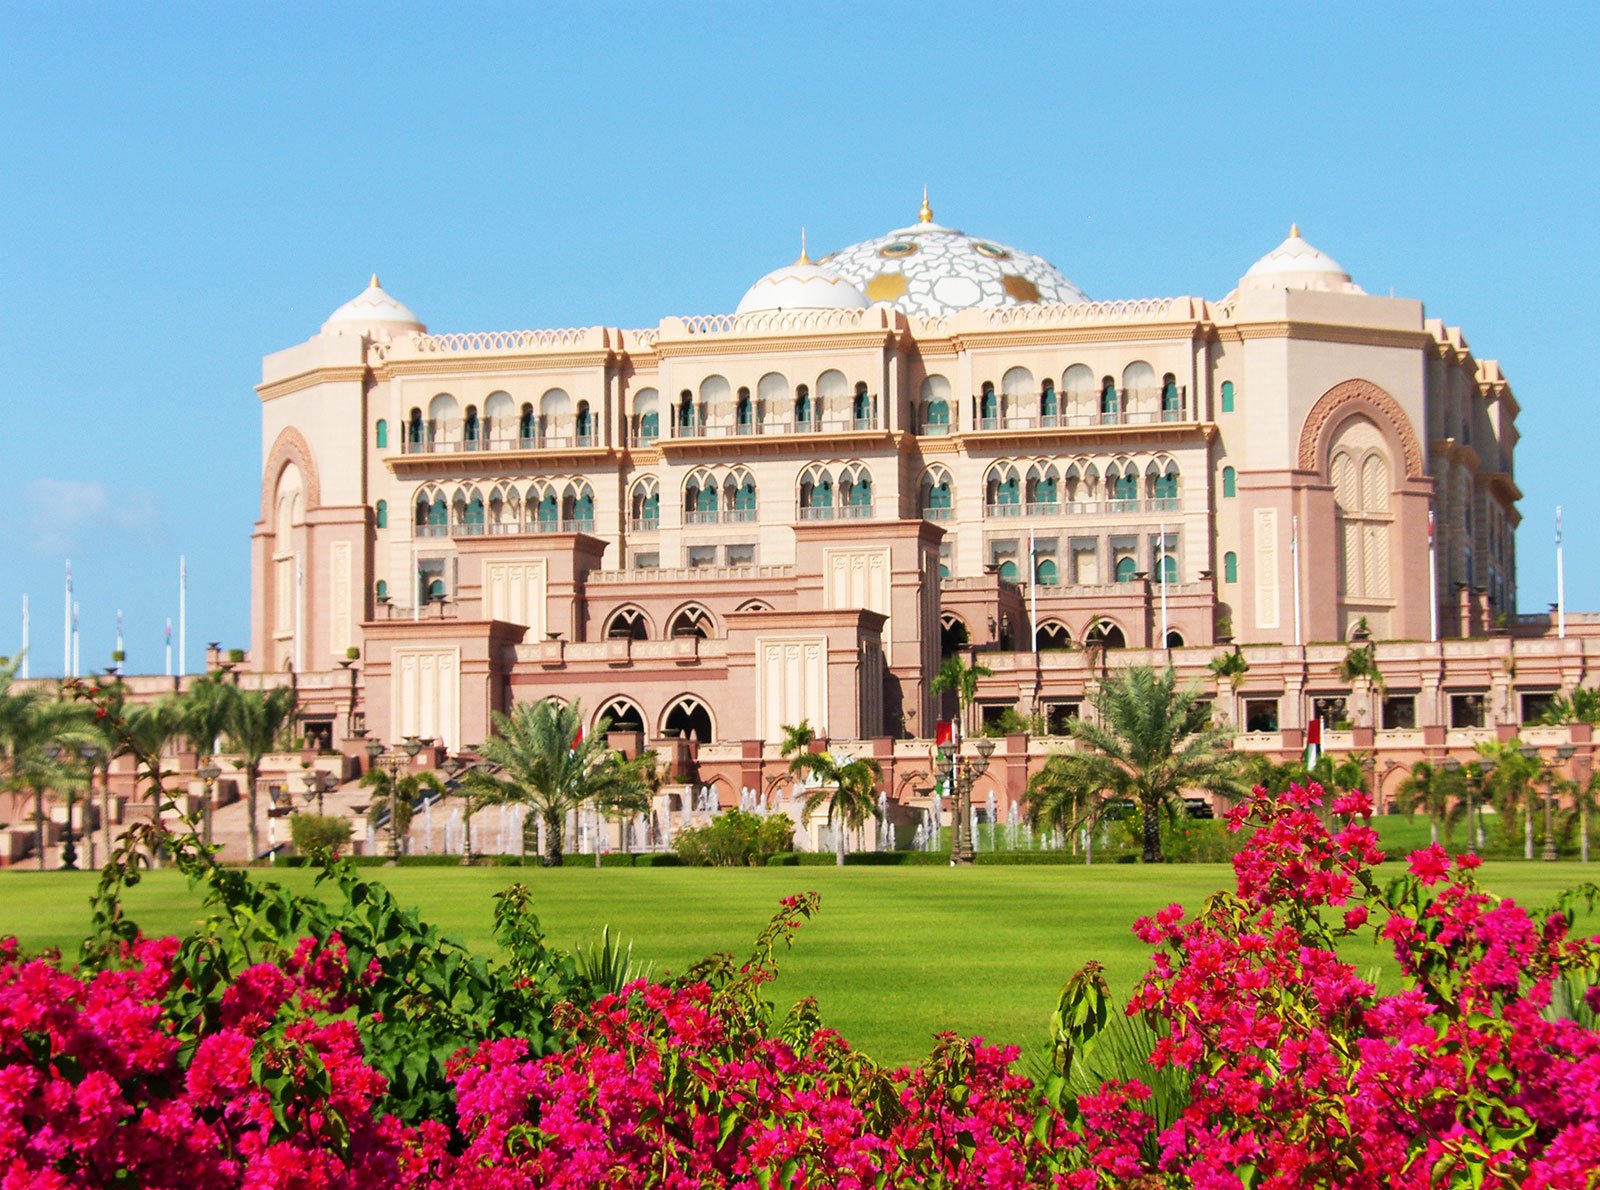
{"points": [[931, 271]]}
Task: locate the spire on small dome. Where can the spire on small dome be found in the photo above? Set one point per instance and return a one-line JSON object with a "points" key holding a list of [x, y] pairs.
{"points": [[925, 215], [373, 284], [804, 258], [1294, 231]]}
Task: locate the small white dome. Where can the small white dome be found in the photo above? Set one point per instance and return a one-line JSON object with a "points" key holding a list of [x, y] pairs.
{"points": [[802, 286], [1295, 264], [371, 309]]}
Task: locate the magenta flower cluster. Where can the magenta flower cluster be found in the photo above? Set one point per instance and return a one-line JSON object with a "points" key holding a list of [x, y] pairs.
{"points": [[1299, 1070]]}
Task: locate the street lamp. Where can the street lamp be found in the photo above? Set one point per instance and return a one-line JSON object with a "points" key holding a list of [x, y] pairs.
{"points": [[410, 746], [209, 774], [317, 784], [962, 776], [69, 849]]}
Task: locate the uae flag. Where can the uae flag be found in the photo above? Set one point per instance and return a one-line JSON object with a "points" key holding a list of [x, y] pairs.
{"points": [[1313, 742], [944, 732]]}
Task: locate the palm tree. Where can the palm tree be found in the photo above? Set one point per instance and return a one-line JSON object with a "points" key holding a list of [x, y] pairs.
{"points": [[148, 731], [1510, 779], [540, 758], [797, 737], [1067, 798], [1432, 790], [256, 721], [848, 787], [398, 797], [1147, 745], [957, 677], [207, 709], [41, 741]]}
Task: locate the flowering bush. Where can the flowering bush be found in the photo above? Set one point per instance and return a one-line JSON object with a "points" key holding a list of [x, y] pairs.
{"points": [[355, 1055]]}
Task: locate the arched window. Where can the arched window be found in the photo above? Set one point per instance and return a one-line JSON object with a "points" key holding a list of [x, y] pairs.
{"points": [[744, 413], [647, 416], [935, 495], [546, 508], [1008, 570], [861, 409], [716, 402], [934, 415], [414, 430], [471, 429], [1230, 480], [1043, 489], [499, 418], [555, 411], [627, 623], [577, 508], [1105, 635], [1227, 396], [816, 494], [988, 408], [381, 514], [1164, 486], [1171, 398], [1049, 407], [694, 621], [645, 506], [1230, 567], [1124, 485], [583, 425], [700, 505], [1002, 491], [739, 495], [1053, 637], [1046, 573], [772, 393], [685, 414], [1359, 472], [527, 428], [382, 591], [443, 412], [1167, 569], [1139, 390], [1109, 404], [803, 421], [832, 391], [436, 591], [1127, 570], [1082, 395], [382, 429], [1174, 639], [855, 491], [622, 714], [505, 509], [953, 634], [689, 719]]}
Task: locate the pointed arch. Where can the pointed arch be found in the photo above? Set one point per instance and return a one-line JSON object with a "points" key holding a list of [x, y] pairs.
{"points": [[1346, 399]]}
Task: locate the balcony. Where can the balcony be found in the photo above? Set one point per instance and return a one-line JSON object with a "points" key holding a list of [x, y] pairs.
{"points": [[644, 524], [946, 513], [452, 438], [1048, 508], [1127, 408], [508, 528], [1001, 511]]}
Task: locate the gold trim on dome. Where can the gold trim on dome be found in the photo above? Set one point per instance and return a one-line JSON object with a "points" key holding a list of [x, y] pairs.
{"points": [[925, 215], [1019, 288], [1294, 231], [373, 284], [804, 259], [886, 287]]}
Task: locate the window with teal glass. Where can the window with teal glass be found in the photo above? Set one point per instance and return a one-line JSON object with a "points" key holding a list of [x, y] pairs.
{"points": [[802, 406], [863, 403], [1230, 481], [988, 404], [1108, 397], [383, 434], [1048, 574], [438, 513], [382, 591], [744, 496], [745, 415], [1125, 486], [474, 514], [1048, 408], [861, 493], [1227, 396], [1008, 570], [436, 589], [1230, 567], [1126, 569], [1167, 569], [548, 511], [1165, 486], [381, 514], [1170, 403], [650, 427]]}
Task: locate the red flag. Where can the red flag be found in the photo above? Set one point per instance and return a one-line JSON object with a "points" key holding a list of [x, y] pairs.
{"points": [[577, 740], [944, 732]]}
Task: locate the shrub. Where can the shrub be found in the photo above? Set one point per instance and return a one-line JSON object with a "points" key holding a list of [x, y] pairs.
{"points": [[318, 832], [735, 839]]}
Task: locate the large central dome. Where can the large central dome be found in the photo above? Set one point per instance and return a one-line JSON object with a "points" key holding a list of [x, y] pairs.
{"points": [[930, 270]]}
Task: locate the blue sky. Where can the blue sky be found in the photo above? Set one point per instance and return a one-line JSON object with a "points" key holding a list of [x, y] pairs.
{"points": [[184, 188]]}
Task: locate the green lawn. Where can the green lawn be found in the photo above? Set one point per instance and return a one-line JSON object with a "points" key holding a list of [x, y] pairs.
{"points": [[895, 954]]}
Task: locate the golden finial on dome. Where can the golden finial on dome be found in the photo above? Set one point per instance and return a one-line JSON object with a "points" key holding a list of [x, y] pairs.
{"points": [[804, 259], [925, 215], [1294, 231], [373, 284]]}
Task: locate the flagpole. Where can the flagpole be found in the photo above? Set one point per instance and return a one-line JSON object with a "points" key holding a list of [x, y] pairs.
{"points": [[169, 646], [1294, 559], [66, 628], [26, 632], [1561, 582], [1433, 581], [183, 616], [77, 642]]}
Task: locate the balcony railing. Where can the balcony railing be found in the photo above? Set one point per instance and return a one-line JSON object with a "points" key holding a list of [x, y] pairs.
{"points": [[508, 528], [1035, 508], [448, 439], [945, 513], [1002, 510], [831, 512], [1131, 408], [644, 524]]}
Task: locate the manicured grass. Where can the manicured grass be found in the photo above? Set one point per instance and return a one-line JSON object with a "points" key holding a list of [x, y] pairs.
{"points": [[896, 954]]}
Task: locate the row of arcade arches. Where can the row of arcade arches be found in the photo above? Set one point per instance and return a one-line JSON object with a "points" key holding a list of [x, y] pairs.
{"points": [[632, 622], [1053, 635]]}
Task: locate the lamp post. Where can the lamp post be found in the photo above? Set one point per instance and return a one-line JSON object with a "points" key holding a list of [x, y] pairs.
{"points": [[410, 746], [962, 776], [209, 774], [317, 784]]}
